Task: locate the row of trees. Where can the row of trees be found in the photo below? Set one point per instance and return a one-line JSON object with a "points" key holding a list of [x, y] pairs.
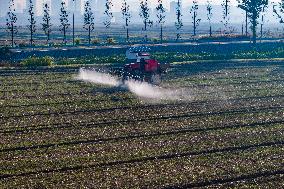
{"points": [[252, 9]]}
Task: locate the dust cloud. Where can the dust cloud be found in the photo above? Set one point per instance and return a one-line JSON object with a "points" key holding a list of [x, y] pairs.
{"points": [[140, 89], [97, 77]]}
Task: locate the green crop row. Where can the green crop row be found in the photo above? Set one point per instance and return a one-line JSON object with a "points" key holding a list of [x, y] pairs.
{"points": [[162, 173], [137, 150]]}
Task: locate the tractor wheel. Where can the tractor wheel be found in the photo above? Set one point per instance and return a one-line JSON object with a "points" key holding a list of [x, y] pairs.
{"points": [[134, 75], [125, 77], [156, 79], [137, 75]]}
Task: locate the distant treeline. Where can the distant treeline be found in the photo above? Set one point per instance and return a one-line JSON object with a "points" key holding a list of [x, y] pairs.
{"points": [[254, 16]]}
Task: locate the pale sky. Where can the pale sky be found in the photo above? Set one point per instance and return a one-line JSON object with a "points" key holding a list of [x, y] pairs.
{"points": [[117, 3]]}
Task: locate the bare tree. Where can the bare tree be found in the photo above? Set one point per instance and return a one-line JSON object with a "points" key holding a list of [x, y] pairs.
{"points": [[195, 19], [278, 10], [108, 13], [253, 9], [209, 15], [246, 23], [64, 22], [178, 22], [226, 14], [126, 16], [46, 25], [262, 21], [145, 15], [161, 17], [32, 22], [88, 19], [11, 21]]}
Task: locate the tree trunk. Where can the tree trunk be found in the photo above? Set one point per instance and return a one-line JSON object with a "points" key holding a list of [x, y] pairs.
{"points": [[145, 29], [31, 31], [31, 38], [48, 32], [161, 34], [48, 38], [89, 35], [194, 24], [226, 8], [64, 32], [261, 31], [12, 35], [178, 36], [73, 28], [210, 31], [246, 23], [127, 34], [254, 23]]}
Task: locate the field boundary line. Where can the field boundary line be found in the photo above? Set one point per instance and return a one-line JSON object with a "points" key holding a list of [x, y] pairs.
{"points": [[90, 92], [227, 180], [157, 134], [146, 159], [193, 85], [140, 106], [118, 121]]}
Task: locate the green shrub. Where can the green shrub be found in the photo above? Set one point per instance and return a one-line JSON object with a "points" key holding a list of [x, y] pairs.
{"points": [[77, 41], [38, 61], [111, 41], [22, 45], [57, 45], [96, 41], [155, 40]]}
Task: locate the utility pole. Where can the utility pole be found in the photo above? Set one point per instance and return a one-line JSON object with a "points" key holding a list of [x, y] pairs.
{"points": [[246, 23], [262, 23], [74, 7]]}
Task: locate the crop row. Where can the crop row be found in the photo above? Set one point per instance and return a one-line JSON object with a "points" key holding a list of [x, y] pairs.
{"points": [[176, 70], [200, 77], [126, 113], [19, 78], [78, 85], [269, 179], [94, 92], [36, 72], [226, 73], [27, 140], [83, 89], [46, 87], [201, 170], [237, 156], [51, 99], [94, 131], [197, 120], [46, 95], [97, 101]]}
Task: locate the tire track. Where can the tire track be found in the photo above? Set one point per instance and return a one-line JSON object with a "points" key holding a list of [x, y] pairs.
{"points": [[140, 136], [165, 157]]}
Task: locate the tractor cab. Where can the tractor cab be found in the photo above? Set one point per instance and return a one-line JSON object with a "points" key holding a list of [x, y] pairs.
{"points": [[140, 58], [134, 54]]}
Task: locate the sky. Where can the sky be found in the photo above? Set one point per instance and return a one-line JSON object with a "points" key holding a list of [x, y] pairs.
{"points": [[20, 4], [117, 3]]}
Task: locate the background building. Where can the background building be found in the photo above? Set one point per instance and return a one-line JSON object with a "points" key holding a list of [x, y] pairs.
{"points": [[4, 7]]}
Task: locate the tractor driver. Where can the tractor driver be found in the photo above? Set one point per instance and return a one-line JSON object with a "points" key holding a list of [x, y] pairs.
{"points": [[143, 64]]}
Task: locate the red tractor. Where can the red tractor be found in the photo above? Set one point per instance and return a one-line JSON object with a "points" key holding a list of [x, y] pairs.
{"points": [[141, 67]]}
